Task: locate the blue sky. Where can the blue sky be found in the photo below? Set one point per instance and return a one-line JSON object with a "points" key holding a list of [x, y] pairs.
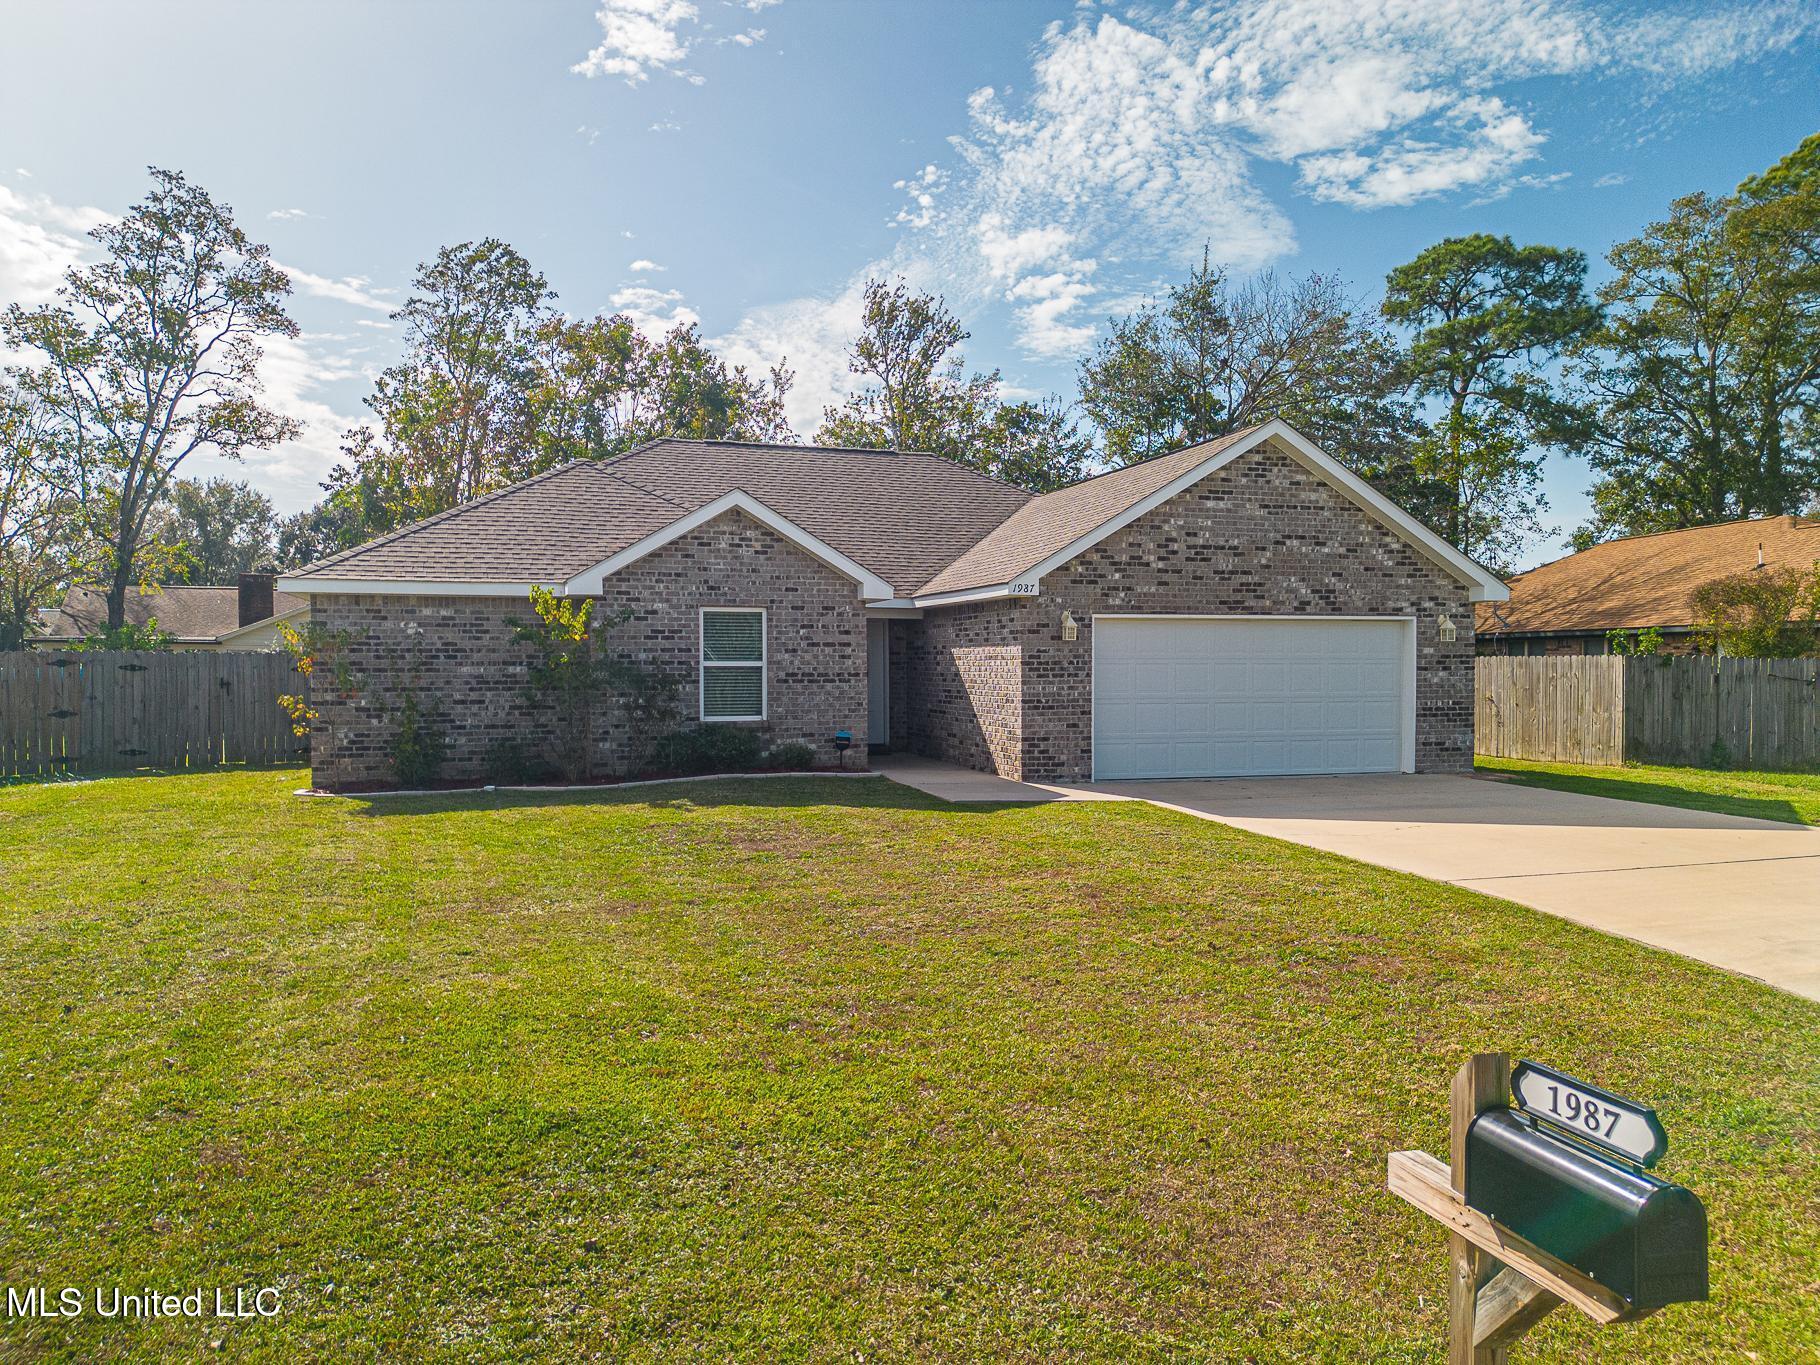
{"points": [[747, 163]]}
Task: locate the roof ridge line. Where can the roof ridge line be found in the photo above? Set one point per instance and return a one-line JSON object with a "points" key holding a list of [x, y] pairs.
{"points": [[806, 447]]}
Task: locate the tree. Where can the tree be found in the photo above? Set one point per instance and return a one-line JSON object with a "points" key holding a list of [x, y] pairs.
{"points": [[147, 357], [1761, 613], [334, 524], [37, 556], [920, 397], [455, 413], [1210, 357], [602, 387], [1702, 387], [220, 529], [1034, 445], [1485, 314]]}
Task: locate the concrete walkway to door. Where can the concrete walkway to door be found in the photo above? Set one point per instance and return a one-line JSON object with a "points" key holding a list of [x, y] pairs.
{"points": [[1741, 894]]}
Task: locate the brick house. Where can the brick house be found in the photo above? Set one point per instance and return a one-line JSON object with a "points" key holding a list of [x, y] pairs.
{"points": [[1571, 605], [1246, 606]]}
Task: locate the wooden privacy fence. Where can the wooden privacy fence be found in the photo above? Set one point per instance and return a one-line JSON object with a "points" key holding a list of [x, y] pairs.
{"points": [[105, 711], [1690, 711]]}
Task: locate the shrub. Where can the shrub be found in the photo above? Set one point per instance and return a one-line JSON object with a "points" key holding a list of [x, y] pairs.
{"points": [[418, 745], [1761, 613], [708, 749], [513, 762], [795, 754]]}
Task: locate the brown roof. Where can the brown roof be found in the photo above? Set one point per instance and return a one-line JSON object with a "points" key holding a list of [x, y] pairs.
{"points": [[192, 615], [901, 515], [1647, 580], [1056, 520]]}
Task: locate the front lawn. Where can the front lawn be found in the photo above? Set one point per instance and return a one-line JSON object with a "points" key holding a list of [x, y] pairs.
{"points": [[810, 1068], [1792, 797]]}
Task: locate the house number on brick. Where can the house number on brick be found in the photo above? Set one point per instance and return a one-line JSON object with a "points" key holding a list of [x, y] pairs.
{"points": [[1023, 590]]}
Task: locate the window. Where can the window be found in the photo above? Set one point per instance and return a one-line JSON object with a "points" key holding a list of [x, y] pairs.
{"points": [[732, 663]]}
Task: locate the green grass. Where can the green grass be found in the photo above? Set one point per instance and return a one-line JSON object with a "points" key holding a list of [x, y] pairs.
{"points": [[810, 1069], [1791, 797]]}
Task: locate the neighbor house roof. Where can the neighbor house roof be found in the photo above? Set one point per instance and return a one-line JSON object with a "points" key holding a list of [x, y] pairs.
{"points": [[904, 526], [1650, 580], [193, 615]]}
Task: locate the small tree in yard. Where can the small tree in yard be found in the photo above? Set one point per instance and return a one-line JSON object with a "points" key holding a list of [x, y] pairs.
{"points": [[1761, 613], [571, 676]]}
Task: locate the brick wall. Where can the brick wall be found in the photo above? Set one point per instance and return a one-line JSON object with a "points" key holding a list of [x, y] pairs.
{"points": [[459, 655], [1259, 536], [815, 628], [965, 688]]}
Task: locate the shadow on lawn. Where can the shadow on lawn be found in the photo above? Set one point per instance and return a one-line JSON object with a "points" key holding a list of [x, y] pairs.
{"points": [[872, 793], [1663, 794]]}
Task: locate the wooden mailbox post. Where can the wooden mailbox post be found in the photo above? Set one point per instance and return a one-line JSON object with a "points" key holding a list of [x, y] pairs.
{"points": [[1500, 1284]]}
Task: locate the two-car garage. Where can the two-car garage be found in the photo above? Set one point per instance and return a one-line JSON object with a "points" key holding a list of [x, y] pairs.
{"points": [[1252, 696]]}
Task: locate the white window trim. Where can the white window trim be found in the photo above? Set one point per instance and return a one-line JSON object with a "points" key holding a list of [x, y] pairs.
{"points": [[703, 665]]}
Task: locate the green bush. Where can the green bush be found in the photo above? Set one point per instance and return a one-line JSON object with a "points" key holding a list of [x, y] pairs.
{"points": [[708, 749], [795, 754], [418, 745]]}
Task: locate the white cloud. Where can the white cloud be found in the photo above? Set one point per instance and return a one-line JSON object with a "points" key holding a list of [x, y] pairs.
{"points": [[22, 173], [1137, 137], [354, 289], [811, 335], [638, 37], [645, 267], [653, 311], [39, 240], [665, 125], [587, 134], [285, 215], [1609, 179]]}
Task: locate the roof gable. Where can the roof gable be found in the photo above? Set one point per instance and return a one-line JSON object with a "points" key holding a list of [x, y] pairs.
{"points": [[1053, 529]]}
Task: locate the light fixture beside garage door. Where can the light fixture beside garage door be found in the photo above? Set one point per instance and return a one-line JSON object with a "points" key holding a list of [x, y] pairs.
{"points": [[1448, 630], [1070, 630]]}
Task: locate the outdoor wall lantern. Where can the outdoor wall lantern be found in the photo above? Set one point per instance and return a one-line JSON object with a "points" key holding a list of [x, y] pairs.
{"points": [[1070, 631], [1448, 630]]}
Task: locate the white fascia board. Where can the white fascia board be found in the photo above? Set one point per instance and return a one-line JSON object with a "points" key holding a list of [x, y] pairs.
{"points": [[409, 587], [290, 615], [1484, 586], [591, 580], [1025, 586]]}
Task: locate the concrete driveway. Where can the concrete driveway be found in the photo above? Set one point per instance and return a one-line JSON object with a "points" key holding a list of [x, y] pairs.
{"points": [[1741, 894]]}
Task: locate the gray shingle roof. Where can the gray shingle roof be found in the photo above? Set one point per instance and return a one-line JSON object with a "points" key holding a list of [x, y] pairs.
{"points": [[192, 615], [903, 516], [922, 523], [1056, 520]]}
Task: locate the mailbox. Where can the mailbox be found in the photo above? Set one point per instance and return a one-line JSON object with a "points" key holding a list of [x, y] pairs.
{"points": [[1640, 1237]]}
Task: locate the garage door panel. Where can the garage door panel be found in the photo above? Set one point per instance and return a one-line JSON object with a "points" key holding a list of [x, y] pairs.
{"points": [[1201, 697]]}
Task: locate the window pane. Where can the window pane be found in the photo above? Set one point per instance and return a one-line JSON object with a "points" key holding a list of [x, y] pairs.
{"points": [[736, 637], [732, 692]]}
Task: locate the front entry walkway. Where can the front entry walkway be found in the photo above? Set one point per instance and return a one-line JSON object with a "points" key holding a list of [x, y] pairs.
{"points": [[1741, 894]]}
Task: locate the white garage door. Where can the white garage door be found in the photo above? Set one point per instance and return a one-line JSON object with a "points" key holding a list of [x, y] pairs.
{"points": [[1234, 697]]}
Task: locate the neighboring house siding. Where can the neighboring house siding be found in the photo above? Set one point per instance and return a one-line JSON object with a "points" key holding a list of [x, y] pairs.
{"points": [[1261, 536], [470, 672]]}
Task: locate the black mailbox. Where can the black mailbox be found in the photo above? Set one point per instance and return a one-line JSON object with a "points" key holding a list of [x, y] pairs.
{"points": [[1638, 1236]]}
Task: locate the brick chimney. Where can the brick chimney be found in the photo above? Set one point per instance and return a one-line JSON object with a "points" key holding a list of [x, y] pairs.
{"points": [[256, 596]]}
